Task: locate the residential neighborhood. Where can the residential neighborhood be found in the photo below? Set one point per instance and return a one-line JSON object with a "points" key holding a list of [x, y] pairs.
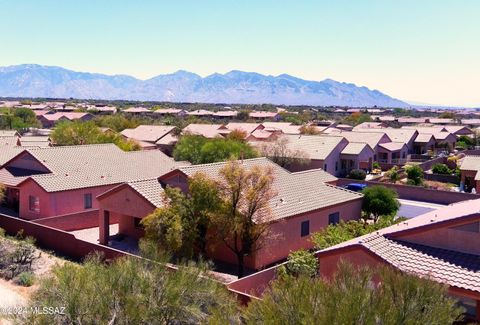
{"points": [[240, 162]]}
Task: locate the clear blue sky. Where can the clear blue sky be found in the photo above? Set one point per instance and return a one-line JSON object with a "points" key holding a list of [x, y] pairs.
{"points": [[417, 50]]}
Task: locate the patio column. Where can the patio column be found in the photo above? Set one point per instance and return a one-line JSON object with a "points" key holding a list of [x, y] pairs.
{"points": [[104, 226]]}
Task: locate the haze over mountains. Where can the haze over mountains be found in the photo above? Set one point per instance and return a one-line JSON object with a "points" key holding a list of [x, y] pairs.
{"points": [[30, 80]]}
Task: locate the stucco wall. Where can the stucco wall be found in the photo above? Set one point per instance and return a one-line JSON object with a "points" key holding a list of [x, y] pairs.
{"points": [[286, 236], [56, 203]]}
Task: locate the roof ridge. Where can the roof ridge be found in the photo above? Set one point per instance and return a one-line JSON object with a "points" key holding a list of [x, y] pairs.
{"points": [[224, 162]]}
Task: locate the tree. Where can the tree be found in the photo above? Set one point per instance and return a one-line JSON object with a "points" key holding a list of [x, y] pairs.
{"points": [[241, 223], [350, 298], [181, 225], [379, 201], [129, 290], [282, 154], [79, 133], [116, 122], [414, 175], [393, 175], [343, 231], [200, 150], [300, 263], [2, 192]]}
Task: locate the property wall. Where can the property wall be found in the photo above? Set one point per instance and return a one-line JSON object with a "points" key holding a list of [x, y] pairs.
{"points": [[286, 236], [56, 203], [60, 241], [418, 193], [75, 221]]}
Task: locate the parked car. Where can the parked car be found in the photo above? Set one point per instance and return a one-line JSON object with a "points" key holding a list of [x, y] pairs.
{"points": [[356, 187]]}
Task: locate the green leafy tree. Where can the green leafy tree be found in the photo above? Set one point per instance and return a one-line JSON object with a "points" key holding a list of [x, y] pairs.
{"points": [[343, 231], [281, 153], [199, 150], [79, 133], [414, 175], [2, 192], [379, 201], [129, 290], [350, 298], [441, 169], [116, 122], [181, 225], [300, 263], [242, 223]]}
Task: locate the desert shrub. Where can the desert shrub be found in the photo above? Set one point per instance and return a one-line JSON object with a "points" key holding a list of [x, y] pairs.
{"points": [[300, 263], [25, 279], [359, 174], [414, 175], [376, 165], [441, 169]]}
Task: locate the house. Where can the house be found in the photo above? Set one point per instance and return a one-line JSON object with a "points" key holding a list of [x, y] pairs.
{"points": [[102, 109], [373, 139], [264, 115], [248, 128], [137, 110], [444, 140], [284, 127], [170, 111], [356, 156], [424, 142], [371, 125], [404, 135], [386, 118], [304, 203], [207, 130], [56, 181], [470, 176], [323, 152], [392, 153], [149, 135], [411, 120], [200, 113], [225, 114], [459, 130], [471, 122], [442, 121], [49, 120], [441, 245]]}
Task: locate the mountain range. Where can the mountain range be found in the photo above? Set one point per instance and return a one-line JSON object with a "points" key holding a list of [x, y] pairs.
{"points": [[234, 87]]}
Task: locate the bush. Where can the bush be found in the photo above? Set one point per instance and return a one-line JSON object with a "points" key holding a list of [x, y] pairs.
{"points": [[379, 201], [441, 169], [25, 279], [376, 165], [359, 174], [414, 175], [393, 174], [300, 263]]}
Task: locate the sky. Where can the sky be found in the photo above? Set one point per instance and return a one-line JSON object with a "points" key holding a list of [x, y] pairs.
{"points": [[420, 51]]}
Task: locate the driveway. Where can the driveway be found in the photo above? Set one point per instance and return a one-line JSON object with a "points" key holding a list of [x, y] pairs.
{"points": [[412, 209]]}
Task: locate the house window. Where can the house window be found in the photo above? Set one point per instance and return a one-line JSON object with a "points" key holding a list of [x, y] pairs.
{"points": [[325, 167], [305, 228], [334, 218], [87, 201], [137, 223], [34, 204]]}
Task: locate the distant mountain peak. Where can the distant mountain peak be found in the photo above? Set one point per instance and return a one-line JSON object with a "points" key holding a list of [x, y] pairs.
{"points": [[233, 87]]}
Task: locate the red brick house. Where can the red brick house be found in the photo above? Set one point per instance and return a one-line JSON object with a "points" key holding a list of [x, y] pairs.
{"points": [[305, 203]]}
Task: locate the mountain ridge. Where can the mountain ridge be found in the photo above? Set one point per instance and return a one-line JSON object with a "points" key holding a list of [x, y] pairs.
{"points": [[233, 87]]}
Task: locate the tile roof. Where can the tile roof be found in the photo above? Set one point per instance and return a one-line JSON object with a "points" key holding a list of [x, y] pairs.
{"points": [[262, 114], [225, 113], [446, 266], [169, 111], [200, 112], [370, 138], [169, 139], [261, 134], [454, 268], [8, 152], [396, 135], [285, 127], [471, 121], [206, 130], [470, 163], [423, 138], [440, 120], [8, 141], [356, 148], [136, 110], [246, 127], [150, 189], [392, 146], [370, 125], [455, 128], [35, 141], [8, 133], [148, 133], [315, 146], [84, 166], [411, 119], [296, 192]]}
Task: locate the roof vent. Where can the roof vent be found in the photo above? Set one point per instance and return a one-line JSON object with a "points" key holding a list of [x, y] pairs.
{"points": [[66, 174], [102, 176]]}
